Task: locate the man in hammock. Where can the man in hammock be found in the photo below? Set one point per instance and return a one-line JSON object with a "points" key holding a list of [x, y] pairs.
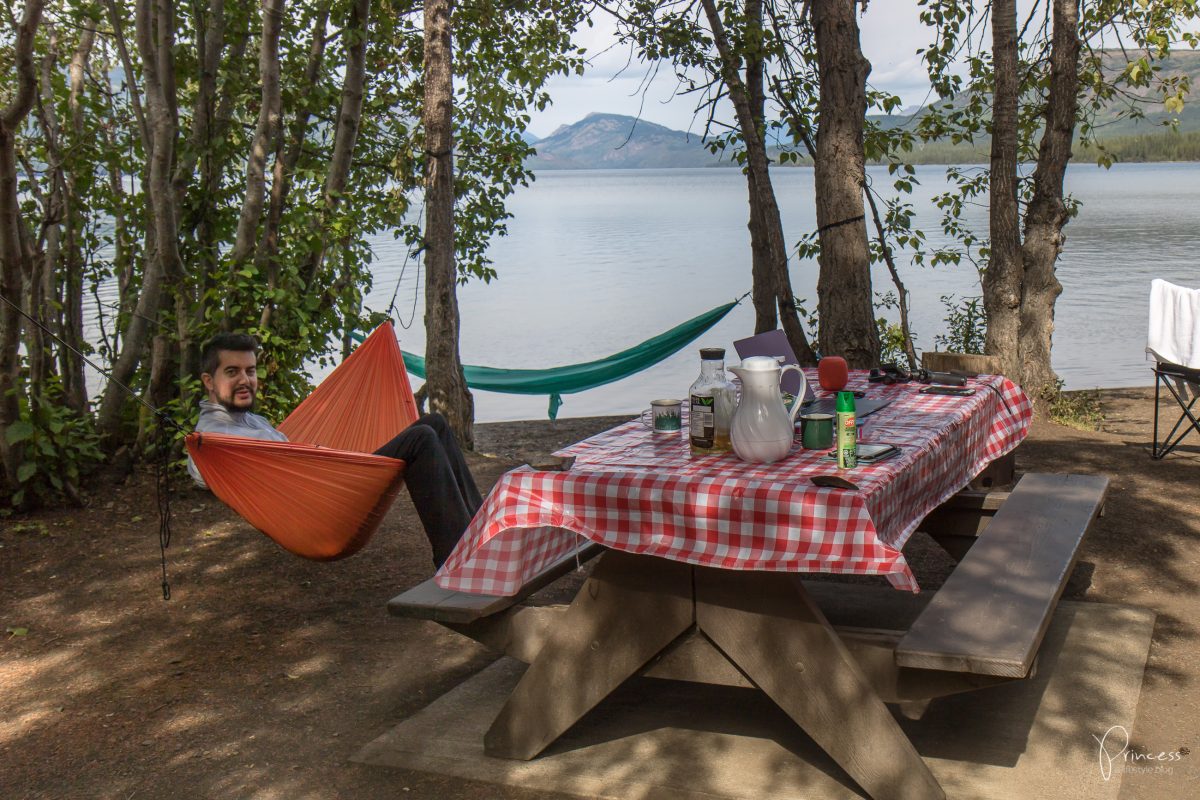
{"points": [[437, 475]]}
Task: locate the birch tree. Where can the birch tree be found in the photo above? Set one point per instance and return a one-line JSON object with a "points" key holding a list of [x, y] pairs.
{"points": [[14, 263]]}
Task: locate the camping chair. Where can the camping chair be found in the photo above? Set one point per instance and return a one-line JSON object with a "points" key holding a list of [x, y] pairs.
{"points": [[1174, 342]]}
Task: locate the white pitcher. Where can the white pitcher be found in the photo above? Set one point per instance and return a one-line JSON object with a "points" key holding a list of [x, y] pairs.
{"points": [[763, 427]]}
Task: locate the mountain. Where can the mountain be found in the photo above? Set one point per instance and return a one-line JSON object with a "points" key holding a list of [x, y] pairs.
{"points": [[616, 141]]}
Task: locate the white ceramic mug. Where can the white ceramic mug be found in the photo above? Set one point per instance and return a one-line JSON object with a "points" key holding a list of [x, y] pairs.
{"points": [[663, 416]]}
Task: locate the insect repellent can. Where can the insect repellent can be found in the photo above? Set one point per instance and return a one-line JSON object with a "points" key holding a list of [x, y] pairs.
{"points": [[847, 431]]}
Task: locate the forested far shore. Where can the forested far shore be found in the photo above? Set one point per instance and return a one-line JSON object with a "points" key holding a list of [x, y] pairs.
{"points": [[1138, 148]]}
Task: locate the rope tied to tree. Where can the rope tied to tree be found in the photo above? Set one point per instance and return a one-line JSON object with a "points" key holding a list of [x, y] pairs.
{"points": [[847, 221]]}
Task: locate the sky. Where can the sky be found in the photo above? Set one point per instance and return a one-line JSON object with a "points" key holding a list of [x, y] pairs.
{"points": [[891, 35]]}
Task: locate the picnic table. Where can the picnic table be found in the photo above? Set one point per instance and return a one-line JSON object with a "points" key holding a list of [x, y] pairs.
{"points": [[700, 577]]}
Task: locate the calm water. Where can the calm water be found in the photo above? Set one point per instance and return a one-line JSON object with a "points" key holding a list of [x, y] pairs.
{"points": [[597, 261]]}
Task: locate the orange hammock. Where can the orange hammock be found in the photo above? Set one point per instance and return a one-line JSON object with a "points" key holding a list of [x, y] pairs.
{"points": [[321, 494]]}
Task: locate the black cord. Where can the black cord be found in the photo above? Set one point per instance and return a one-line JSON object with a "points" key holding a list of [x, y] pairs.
{"points": [[163, 491], [848, 221], [409, 256], [1000, 394]]}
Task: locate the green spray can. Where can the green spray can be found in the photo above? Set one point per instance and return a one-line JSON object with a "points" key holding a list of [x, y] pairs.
{"points": [[847, 431]]}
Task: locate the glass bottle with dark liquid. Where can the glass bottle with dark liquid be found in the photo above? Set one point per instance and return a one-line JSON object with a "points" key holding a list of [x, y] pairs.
{"points": [[711, 403]]}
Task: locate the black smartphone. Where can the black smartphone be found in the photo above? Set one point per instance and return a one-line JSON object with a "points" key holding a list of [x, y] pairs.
{"points": [[869, 453], [955, 391]]}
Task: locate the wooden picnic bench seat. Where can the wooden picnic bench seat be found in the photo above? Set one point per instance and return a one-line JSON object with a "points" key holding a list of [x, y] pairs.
{"points": [[429, 601], [991, 614]]}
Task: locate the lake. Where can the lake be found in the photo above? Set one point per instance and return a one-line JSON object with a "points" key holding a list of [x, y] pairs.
{"points": [[597, 261]]}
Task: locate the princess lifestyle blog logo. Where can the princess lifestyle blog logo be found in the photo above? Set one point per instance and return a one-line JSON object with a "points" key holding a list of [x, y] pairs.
{"points": [[1115, 750]]}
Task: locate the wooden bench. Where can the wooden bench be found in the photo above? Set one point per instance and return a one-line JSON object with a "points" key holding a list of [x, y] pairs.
{"points": [[429, 601], [990, 616]]}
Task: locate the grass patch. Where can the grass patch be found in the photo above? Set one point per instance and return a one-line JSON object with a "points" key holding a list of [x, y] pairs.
{"points": [[1079, 409]]}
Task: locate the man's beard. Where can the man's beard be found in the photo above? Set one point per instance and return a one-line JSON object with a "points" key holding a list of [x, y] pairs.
{"points": [[229, 405]]}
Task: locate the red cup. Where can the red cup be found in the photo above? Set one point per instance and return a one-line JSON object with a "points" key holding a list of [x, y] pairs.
{"points": [[833, 373]]}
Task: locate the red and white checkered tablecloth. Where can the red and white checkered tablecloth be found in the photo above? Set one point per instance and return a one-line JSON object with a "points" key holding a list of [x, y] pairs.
{"points": [[633, 490]]}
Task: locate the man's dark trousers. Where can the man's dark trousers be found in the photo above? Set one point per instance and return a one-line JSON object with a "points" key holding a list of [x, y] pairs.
{"points": [[438, 480]]}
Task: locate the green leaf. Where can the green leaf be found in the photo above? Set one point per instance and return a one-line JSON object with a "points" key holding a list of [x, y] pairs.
{"points": [[26, 471], [19, 431], [13, 631]]}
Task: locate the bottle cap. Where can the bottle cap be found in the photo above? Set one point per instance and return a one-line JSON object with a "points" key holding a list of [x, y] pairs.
{"points": [[712, 353], [845, 401]]}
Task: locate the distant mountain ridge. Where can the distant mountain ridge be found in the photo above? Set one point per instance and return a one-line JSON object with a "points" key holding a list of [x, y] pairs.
{"points": [[618, 141]]}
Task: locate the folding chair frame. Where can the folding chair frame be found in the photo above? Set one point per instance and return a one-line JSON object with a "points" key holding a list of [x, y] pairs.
{"points": [[1166, 374]]}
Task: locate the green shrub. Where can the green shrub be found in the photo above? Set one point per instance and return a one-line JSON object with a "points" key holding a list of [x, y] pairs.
{"points": [[1079, 410], [58, 448], [966, 325]]}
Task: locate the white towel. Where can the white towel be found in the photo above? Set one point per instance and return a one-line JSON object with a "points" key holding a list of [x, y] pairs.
{"points": [[1174, 336]]}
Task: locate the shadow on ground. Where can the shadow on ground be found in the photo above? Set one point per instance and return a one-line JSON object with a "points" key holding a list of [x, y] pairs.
{"points": [[265, 673]]}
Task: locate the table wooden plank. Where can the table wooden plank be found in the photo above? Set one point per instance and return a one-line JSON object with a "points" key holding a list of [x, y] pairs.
{"points": [[626, 612], [769, 627], [991, 614]]}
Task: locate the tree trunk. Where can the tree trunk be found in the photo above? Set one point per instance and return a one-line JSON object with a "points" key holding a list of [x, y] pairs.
{"points": [[264, 134], [192, 203], [1047, 212], [350, 114], [1003, 277], [445, 385], [845, 301], [12, 254], [202, 214], [758, 175], [761, 269], [902, 297], [70, 365], [155, 35], [287, 155], [210, 43], [41, 280]]}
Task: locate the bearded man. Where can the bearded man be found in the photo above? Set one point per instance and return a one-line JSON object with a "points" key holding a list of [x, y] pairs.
{"points": [[437, 476]]}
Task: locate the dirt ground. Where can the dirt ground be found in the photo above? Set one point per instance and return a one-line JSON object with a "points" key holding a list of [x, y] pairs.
{"points": [[264, 673]]}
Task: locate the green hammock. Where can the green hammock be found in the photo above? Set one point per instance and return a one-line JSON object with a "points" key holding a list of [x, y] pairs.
{"points": [[557, 381]]}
